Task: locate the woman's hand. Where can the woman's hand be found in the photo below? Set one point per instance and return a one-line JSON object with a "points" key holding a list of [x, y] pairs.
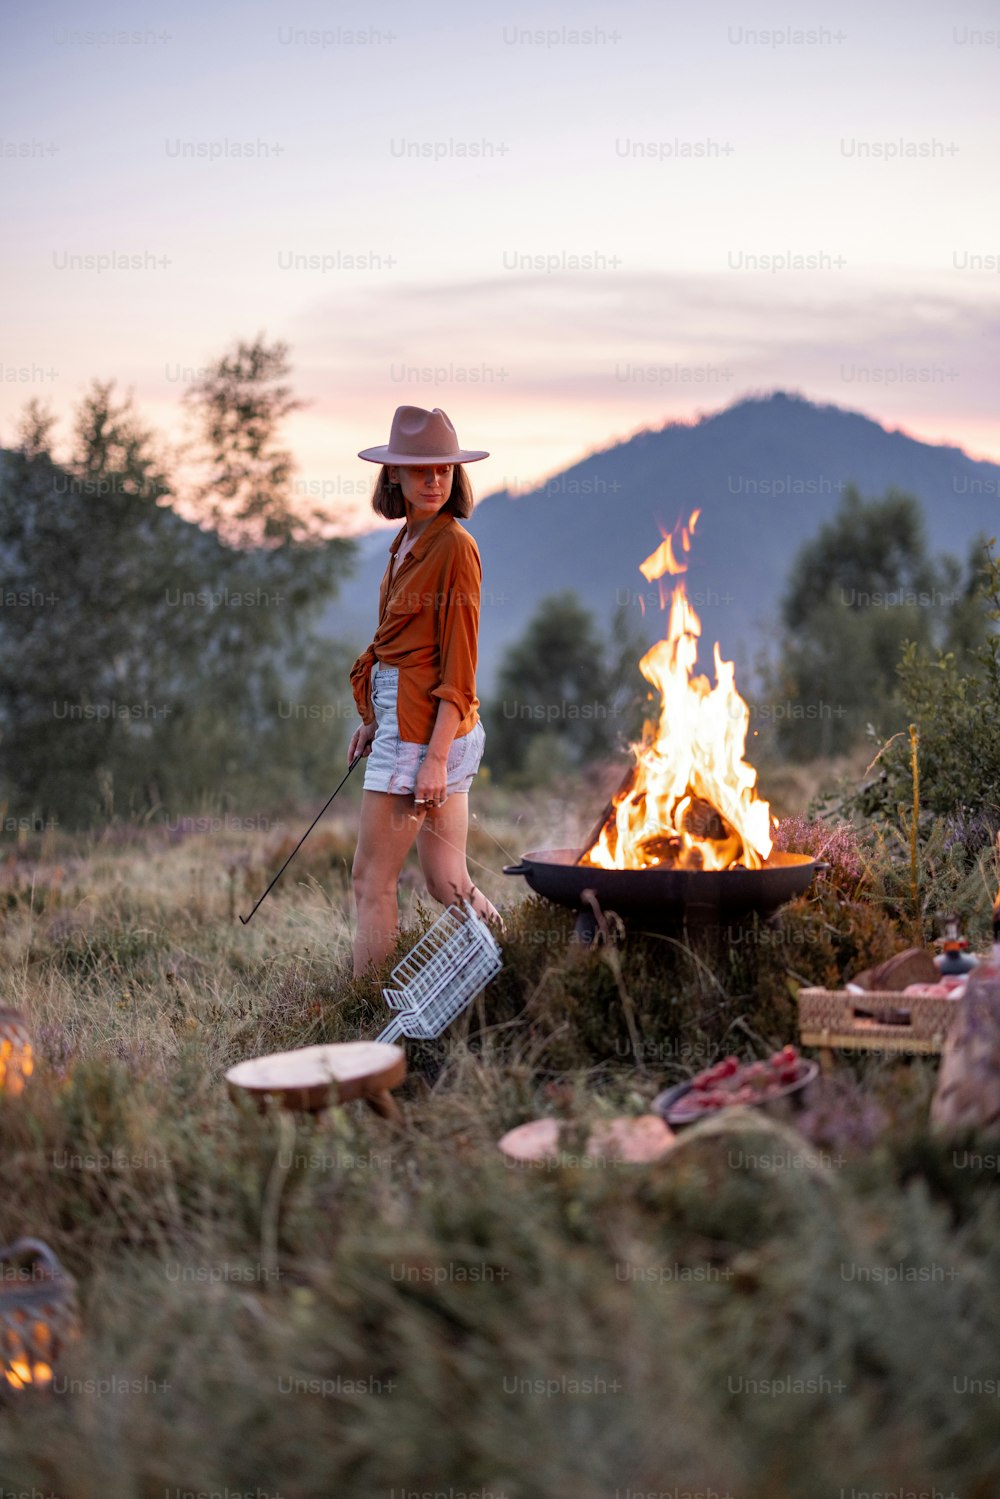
{"points": [[432, 781], [361, 741]]}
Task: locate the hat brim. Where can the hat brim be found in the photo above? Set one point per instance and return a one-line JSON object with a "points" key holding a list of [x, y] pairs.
{"points": [[385, 454]]}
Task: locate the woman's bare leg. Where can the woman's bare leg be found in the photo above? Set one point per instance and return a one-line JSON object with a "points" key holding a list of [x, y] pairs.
{"points": [[389, 824], [441, 849]]}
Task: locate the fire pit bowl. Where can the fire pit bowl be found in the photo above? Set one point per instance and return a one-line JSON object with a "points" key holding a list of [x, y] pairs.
{"points": [[666, 897]]}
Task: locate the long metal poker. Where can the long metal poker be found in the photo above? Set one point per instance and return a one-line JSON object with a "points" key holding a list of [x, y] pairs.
{"points": [[302, 840]]}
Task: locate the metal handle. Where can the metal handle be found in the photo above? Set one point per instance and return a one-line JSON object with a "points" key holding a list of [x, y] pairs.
{"points": [[521, 868], [41, 1251]]}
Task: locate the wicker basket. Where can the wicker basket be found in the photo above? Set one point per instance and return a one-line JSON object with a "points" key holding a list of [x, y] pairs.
{"points": [[883, 1020], [37, 1315]]}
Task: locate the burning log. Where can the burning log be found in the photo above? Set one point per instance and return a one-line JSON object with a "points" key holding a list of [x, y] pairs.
{"points": [[663, 849], [701, 820], [607, 816]]}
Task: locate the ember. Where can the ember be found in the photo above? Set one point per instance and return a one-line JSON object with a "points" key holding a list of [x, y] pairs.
{"points": [[690, 801]]}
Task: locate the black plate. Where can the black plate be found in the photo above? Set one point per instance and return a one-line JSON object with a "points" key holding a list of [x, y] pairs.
{"points": [[664, 1102]]}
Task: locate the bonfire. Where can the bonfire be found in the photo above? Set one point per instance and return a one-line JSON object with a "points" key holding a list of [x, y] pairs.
{"points": [[690, 801]]}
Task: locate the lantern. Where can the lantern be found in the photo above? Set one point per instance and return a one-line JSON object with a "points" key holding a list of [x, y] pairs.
{"points": [[16, 1057], [37, 1315]]}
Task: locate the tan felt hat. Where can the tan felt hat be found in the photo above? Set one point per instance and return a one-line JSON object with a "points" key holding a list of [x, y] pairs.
{"points": [[419, 437]]}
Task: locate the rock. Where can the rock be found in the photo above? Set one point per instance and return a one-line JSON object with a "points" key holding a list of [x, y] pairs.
{"points": [[968, 1090], [747, 1142]]}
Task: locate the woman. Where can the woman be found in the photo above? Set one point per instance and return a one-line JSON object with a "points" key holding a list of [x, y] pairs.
{"points": [[415, 685]]}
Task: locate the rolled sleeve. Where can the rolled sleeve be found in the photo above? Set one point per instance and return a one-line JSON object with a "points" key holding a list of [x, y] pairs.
{"points": [[458, 633], [361, 685]]}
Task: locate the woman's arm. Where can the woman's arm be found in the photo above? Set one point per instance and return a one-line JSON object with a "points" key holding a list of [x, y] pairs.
{"points": [[361, 739], [443, 735], [432, 778]]}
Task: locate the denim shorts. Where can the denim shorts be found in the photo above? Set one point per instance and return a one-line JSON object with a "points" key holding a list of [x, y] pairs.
{"points": [[393, 763]]}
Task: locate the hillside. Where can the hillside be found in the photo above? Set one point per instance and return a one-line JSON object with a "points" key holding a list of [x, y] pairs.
{"points": [[765, 472]]}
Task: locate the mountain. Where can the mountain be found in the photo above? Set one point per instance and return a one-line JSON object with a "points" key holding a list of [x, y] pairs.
{"points": [[765, 473]]}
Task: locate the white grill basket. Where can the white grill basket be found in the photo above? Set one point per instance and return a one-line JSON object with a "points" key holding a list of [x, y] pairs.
{"points": [[449, 966]]}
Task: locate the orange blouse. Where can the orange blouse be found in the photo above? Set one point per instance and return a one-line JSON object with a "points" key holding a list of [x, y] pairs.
{"points": [[428, 626]]}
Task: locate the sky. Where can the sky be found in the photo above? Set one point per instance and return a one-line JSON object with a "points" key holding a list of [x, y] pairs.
{"points": [[561, 224]]}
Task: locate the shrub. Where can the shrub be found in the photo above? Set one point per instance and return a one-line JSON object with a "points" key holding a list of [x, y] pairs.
{"points": [[953, 697]]}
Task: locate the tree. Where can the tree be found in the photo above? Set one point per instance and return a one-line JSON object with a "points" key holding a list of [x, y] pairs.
{"points": [[142, 657], [246, 492], [238, 406], [861, 588], [565, 695]]}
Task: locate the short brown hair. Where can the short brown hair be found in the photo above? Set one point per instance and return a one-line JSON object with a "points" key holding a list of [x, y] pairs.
{"points": [[387, 498]]}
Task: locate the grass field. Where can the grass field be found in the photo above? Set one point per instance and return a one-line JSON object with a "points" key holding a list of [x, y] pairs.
{"points": [[800, 1307]]}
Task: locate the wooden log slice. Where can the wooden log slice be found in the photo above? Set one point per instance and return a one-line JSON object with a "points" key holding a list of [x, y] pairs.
{"points": [[538, 1140], [646, 1138], [314, 1077]]}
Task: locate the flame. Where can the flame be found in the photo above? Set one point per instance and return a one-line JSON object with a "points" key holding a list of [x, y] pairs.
{"points": [[690, 802], [16, 1066], [23, 1370], [663, 559], [21, 1375]]}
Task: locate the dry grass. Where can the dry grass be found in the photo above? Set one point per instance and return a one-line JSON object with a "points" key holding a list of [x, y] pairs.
{"points": [[434, 1320]]}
